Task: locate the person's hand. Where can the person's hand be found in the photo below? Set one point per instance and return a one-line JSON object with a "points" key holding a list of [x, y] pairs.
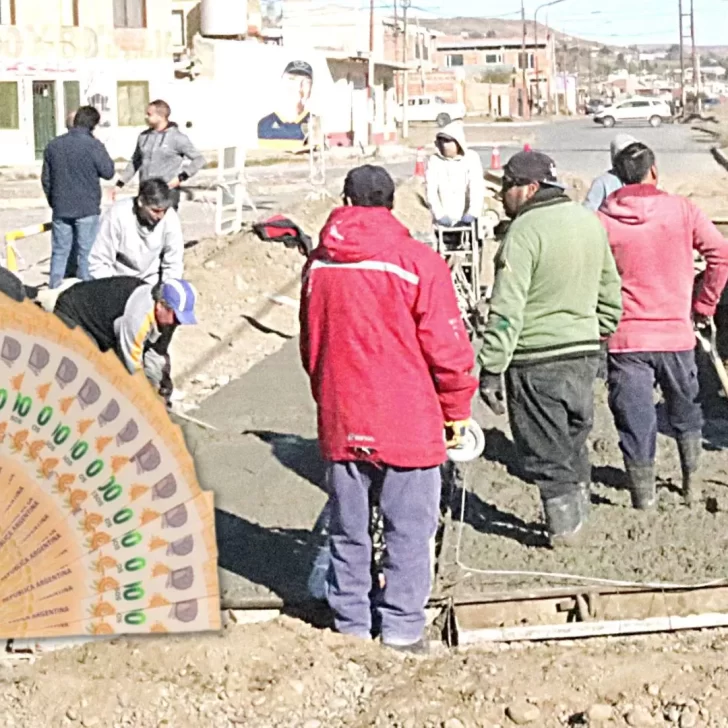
{"points": [[444, 222], [455, 432], [173, 183], [467, 220], [700, 321], [491, 392]]}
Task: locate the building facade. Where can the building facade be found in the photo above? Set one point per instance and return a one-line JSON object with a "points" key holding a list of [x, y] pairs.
{"points": [[115, 55], [502, 61]]}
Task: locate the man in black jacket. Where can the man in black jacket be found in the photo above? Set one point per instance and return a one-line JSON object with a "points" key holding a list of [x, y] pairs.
{"points": [[72, 166]]}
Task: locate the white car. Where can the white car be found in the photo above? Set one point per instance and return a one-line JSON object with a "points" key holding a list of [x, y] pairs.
{"points": [[634, 111], [431, 108]]}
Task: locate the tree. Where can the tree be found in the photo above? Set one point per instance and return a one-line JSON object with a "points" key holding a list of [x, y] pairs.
{"points": [[605, 51], [491, 34]]}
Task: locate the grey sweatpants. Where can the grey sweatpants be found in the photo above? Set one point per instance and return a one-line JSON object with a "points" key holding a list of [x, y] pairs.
{"points": [[409, 502]]}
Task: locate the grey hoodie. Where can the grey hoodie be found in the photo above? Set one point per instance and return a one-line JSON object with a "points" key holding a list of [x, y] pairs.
{"points": [[162, 154]]}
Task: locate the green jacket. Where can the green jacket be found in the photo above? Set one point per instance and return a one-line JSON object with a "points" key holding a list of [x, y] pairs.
{"points": [[556, 291]]}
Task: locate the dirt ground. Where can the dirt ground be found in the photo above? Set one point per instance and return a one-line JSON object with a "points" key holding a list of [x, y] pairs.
{"points": [[288, 673]]}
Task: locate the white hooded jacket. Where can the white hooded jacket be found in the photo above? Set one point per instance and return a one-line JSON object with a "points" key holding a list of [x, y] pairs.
{"points": [[455, 187]]}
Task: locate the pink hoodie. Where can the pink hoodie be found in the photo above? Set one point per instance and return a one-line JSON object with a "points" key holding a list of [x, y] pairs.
{"points": [[652, 235]]}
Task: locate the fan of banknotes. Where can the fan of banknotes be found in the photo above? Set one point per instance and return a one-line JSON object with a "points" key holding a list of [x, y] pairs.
{"points": [[103, 526]]}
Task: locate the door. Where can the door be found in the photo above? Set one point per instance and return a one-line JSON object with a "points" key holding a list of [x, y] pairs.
{"points": [[44, 115]]}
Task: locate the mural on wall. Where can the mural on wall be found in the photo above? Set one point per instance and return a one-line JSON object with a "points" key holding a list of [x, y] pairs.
{"points": [[286, 126]]}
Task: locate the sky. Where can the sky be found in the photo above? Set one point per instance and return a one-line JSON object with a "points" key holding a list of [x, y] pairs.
{"points": [[618, 22]]}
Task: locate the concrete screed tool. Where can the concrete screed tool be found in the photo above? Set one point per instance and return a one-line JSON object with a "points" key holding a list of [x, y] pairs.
{"points": [[707, 339]]}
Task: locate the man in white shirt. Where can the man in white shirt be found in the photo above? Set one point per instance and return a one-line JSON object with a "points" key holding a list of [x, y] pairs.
{"points": [[140, 237]]}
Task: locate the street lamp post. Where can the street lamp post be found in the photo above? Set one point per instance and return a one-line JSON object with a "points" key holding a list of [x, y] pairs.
{"points": [[535, 43]]}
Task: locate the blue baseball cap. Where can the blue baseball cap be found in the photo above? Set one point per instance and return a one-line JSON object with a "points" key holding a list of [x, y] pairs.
{"points": [[181, 297]]}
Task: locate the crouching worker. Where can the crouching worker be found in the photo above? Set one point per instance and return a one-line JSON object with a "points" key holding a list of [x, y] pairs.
{"points": [[454, 180], [132, 318], [390, 366], [556, 294], [653, 235]]}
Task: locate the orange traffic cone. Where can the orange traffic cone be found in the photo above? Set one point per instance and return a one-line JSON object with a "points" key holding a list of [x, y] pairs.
{"points": [[495, 159], [420, 163], [527, 147]]}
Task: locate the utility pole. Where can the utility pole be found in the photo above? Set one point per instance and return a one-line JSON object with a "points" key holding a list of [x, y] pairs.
{"points": [[524, 62], [406, 4], [535, 43], [370, 75], [396, 31], [695, 59]]}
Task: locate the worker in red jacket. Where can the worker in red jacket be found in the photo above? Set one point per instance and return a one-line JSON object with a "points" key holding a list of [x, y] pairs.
{"points": [[652, 235], [391, 365]]}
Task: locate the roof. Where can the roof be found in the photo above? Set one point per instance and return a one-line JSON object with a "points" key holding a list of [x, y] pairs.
{"points": [[334, 55], [487, 43]]}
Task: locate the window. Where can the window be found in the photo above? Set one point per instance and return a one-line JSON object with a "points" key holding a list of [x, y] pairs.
{"points": [[493, 59], [132, 101], [9, 112], [130, 14], [456, 59], [71, 96], [179, 37], [7, 12], [69, 13], [521, 59]]}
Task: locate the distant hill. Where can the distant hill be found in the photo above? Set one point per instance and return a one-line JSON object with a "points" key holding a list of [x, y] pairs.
{"points": [[498, 28]]}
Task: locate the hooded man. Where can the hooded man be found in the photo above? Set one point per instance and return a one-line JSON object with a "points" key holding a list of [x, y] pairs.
{"points": [[609, 182], [140, 237], [653, 235], [161, 152], [556, 294], [454, 180], [390, 365]]}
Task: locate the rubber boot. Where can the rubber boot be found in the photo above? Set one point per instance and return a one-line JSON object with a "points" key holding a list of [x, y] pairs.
{"points": [[641, 479], [565, 518], [690, 447]]}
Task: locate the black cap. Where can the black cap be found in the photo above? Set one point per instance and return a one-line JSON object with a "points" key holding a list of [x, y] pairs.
{"points": [[369, 186], [527, 167], [299, 68]]}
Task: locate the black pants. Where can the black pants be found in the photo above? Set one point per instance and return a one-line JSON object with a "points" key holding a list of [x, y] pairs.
{"points": [[632, 380], [551, 408]]}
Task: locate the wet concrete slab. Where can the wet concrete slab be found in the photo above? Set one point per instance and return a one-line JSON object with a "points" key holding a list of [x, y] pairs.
{"points": [[265, 470]]}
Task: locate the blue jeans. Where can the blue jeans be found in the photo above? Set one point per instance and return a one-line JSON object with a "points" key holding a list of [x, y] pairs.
{"points": [[410, 502], [632, 379], [71, 235]]}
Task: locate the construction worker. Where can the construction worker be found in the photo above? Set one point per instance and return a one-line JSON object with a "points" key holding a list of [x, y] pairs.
{"points": [[454, 179], [653, 235], [140, 236], [609, 182], [73, 164], [161, 152], [390, 365], [556, 294], [131, 317]]}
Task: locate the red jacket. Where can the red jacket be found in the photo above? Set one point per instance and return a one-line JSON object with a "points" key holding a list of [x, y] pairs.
{"points": [[383, 342], [653, 235]]}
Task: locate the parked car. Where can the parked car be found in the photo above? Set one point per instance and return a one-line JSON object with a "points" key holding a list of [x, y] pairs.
{"points": [[431, 108], [594, 106], [711, 102], [634, 111]]}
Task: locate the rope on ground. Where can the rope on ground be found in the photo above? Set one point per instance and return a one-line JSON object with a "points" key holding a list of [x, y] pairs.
{"points": [[565, 576]]}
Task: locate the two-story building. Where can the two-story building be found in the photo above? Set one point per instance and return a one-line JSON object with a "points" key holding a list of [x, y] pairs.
{"points": [[56, 56], [502, 61]]}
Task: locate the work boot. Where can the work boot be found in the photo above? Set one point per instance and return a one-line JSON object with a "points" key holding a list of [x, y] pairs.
{"points": [[690, 447], [642, 487], [565, 518]]}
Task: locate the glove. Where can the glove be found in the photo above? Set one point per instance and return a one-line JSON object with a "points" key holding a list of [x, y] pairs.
{"points": [[491, 392], [154, 364], [467, 220], [455, 432], [444, 222], [700, 321]]}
